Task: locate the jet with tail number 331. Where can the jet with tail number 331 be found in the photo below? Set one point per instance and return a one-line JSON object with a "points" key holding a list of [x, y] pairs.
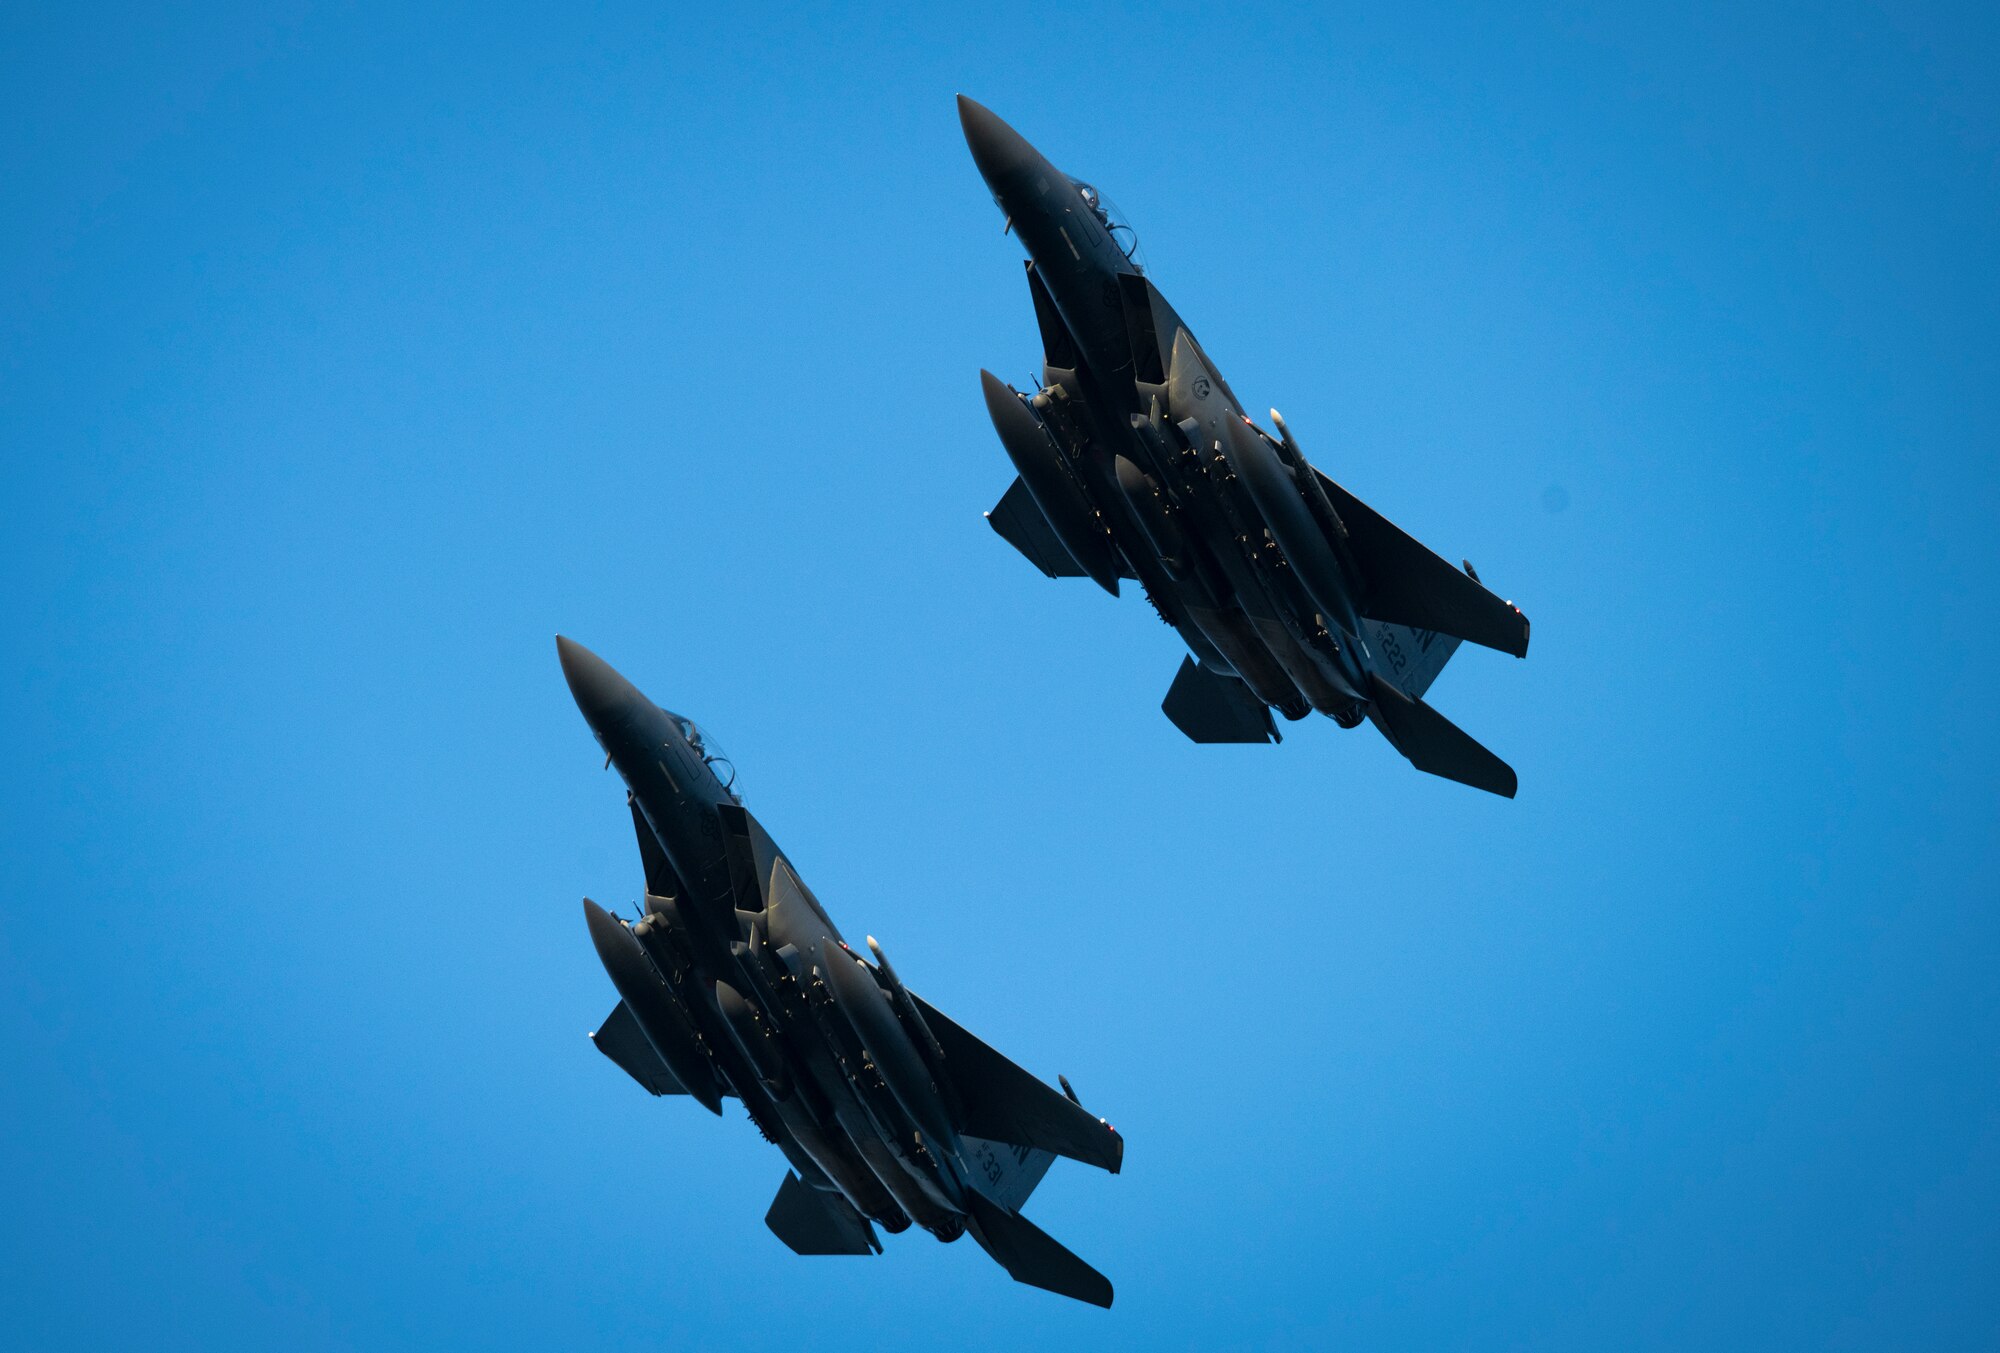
{"points": [[1136, 461]]}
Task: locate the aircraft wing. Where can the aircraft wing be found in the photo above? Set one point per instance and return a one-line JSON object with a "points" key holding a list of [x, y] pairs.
{"points": [[1019, 522], [1004, 1103], [812, 1222], [1210, 707], [621, 1041], [1408, 585]]}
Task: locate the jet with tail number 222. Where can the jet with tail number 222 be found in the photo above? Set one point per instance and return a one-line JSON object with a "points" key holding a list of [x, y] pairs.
{"points": [[1136, 461], [734, 983]]}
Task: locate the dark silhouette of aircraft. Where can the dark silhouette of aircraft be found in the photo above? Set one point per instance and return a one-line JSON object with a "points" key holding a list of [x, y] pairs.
{"points": [[736, 984], [1136, 461]]}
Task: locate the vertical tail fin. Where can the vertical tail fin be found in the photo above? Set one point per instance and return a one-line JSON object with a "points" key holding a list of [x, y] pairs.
{"points": [[1414, 657], [1003, 1171]]}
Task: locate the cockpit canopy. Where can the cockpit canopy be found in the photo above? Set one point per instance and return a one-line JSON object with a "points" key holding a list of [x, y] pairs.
{"points": [[1113, 221], [709, 750]]}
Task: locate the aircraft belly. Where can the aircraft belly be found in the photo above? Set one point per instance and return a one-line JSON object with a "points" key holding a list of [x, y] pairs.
{"points": [[1328, 694], [1237, 639]]}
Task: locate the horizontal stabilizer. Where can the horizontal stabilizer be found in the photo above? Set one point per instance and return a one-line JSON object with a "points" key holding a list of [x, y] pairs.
{"points": [[1003, 1103], [1436, 744], [622, 1041], [1021, 524], [811, 1221], [1211, 707], [1408, 585], [1031, 1256]]}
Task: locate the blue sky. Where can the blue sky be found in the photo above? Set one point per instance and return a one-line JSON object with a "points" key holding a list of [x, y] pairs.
{"points": [[349, 354]]}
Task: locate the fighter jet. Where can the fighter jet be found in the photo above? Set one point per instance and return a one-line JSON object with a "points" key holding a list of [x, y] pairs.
{"points": [[734, 983], [1136, 461]]}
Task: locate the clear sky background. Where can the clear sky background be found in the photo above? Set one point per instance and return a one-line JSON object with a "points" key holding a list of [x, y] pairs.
{"points": [[347, 355]]}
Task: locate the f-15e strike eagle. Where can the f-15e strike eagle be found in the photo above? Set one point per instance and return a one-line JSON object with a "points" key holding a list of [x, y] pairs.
{"points": [[735, 983], [1137, 461]]}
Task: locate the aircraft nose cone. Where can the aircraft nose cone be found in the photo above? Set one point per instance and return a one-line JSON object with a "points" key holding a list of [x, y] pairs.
{"points": [[1000, 152], [600, 693]]}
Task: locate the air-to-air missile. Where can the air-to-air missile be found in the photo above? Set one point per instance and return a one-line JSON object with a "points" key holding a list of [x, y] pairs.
{"points": [[734, 983], [1136, 461]]}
